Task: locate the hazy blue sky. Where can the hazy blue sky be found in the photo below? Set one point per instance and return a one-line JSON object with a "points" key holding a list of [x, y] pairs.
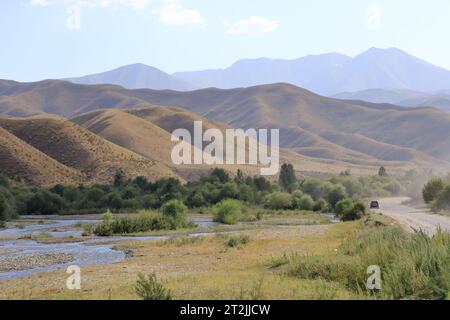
{"points": [[60, 38]]}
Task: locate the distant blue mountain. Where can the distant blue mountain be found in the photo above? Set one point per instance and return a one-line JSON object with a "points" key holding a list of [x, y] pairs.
{"points": [[326, 74], [136, 76], [331, 73]]}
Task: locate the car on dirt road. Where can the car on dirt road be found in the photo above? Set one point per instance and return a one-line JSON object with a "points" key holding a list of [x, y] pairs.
{"points": [[374, 204]]}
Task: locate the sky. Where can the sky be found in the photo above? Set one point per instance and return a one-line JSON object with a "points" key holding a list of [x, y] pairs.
{"points": [[43, 39]]}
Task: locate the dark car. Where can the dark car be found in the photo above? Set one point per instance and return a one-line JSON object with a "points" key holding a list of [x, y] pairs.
{"points": [[374, 205]]}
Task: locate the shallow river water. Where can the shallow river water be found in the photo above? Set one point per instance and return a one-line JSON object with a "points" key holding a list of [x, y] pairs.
{"points": [[89, 252]]}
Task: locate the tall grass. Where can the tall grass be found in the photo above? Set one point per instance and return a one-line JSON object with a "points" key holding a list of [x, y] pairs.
{"points": [[412, 266], [145, 221]]}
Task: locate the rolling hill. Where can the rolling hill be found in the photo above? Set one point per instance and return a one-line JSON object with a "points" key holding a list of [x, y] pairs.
{"points": [[313, 128], [74, 147], [407, 98], [23, 162]]}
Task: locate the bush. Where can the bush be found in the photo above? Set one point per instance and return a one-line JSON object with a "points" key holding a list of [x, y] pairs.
{"points": [[146, 221], [151, 289], [237, 241], [306, 203], [296, 196], [349, 210], [432, 189], [228, 211], [442, 201], [175, 212], [278, 201], [320, 206], [336, 194]]}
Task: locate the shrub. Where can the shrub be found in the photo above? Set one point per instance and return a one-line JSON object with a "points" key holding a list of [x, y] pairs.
{"points": [[442, 201], [306, 203], [336, 194], [278, 201], [228, 211], [146, 221], [151, 289], [104, 230], [175, 212], [237, 241], [296, 196], [349, 210], [432, 189], [320, 206]]}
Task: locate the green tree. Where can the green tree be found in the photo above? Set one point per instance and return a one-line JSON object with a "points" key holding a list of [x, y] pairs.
{"points": [[336, 194], [287, 177], [3, 208], [95, 194], [45, 202], [431, 190], [239, 176], [221, 175], [119, 178], [278, 201], [382, 172], [442, 201], [229, 191], [71, 194]]}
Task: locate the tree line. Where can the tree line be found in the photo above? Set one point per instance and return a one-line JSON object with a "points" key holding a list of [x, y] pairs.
{"points": [[129, 195]]}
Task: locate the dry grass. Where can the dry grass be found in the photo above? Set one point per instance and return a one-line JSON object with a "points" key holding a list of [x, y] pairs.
{"points": [[201, 269]]}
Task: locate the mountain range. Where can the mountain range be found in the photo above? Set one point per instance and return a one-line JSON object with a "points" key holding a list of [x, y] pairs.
{"points": [[326, 74], [408, 98], [87, 132]]}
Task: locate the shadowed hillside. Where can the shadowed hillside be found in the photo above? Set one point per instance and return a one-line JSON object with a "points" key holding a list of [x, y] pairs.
{"points": [[76, 147], [21, 161]]}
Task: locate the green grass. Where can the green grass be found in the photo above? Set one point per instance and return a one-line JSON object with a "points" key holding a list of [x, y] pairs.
{"points": [[412, 266], [237, 241]]}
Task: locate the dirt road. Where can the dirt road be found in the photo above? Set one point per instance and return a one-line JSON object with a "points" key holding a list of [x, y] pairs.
{"points": [[411, 218]]}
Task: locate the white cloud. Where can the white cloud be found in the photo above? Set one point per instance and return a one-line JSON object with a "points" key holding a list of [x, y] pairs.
{"points": [[135, 4], [42, 3], [252, 26], [173, 14]]}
